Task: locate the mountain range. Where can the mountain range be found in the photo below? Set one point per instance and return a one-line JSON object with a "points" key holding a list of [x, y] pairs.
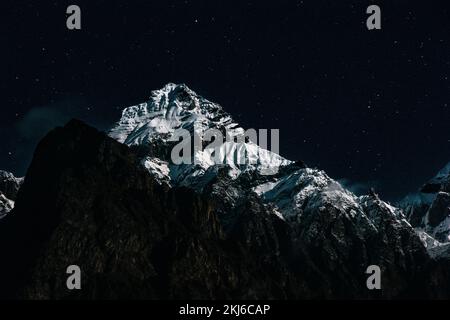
{"points": [[141, 226]]}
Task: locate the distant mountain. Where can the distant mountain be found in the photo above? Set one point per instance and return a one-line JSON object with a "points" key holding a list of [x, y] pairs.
{"points": [[429, 209], [9, 187], [6, 205]]}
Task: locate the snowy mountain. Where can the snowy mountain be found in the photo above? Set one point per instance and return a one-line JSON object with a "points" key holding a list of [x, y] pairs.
{"points": [[441, 181], [6, 205], [144, 226], [136, 237], [172, 111], [291, 191], [429, 209], [152, 125], [9, 186]]}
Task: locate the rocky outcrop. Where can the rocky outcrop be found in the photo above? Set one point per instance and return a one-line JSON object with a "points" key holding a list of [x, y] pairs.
{"points": [[429, 209], [439, 209], [9, 187], [9, 184], [6, 205]]}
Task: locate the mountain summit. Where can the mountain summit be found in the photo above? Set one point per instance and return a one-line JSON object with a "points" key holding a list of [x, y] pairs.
{"points": [[175, 110], [429, 209], [291, 191], [9, 187]]}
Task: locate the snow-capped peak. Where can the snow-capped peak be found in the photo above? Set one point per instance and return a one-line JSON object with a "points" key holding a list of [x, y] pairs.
{"points": [[175, 110], [9, 186], [429, 209], [292, 192], [173, 107], [6, 205]]}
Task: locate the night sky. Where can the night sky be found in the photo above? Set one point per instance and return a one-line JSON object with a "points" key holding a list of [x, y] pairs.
{"points": [[371, 108]]}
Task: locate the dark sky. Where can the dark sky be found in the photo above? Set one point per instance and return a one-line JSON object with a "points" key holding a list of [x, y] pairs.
{"points": [[368, 106]]}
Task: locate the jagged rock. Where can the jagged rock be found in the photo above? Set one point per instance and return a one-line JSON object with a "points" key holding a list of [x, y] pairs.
{"points": [[429, 210], [9, 184], [9, 187], [6, 205], [154, 127], [439, 210]]}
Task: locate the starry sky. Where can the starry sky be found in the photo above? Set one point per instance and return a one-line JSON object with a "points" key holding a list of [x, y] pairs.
{"points": [[371, 108]]}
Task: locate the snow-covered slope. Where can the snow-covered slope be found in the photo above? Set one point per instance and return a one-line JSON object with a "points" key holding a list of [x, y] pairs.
{"points": [[298, 222], [309, 191], [292, 192], [171, 108], [9, 186], [174, 110], [429, 209], [6, 205]]}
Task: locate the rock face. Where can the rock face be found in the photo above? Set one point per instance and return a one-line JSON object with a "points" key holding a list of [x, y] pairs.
{"points": [[6, 205], [142, 227], [9, 184], [9, 187], [429, 209]]}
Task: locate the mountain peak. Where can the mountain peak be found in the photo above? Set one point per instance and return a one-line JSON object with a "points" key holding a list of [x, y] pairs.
{"points": [[429, 209], [172, 107], [9, 184], [439, 182], [9, 187], [173, 94], [174, 110]]}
